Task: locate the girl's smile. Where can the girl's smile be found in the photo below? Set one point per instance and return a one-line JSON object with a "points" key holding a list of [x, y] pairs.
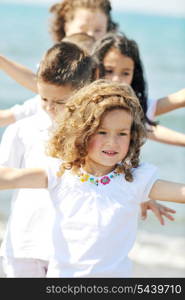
{"points": [[110, 153]]}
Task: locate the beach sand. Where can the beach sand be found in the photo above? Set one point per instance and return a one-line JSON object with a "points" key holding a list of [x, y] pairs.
{"points": [[141, 271]]}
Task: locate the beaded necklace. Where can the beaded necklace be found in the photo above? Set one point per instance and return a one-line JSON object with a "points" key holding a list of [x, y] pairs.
{"points": [[106, 179]]}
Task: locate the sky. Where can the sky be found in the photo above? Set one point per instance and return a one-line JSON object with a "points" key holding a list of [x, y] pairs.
{"points": [[162, 7]]}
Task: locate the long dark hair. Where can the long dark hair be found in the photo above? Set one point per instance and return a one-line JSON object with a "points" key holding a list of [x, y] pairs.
{"points": [[128, 48]]}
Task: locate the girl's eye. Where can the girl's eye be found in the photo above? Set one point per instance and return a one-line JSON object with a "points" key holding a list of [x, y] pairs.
{"points": [[126, 74], [60, 103], [108, 71], [122, 133], [101, 132]]}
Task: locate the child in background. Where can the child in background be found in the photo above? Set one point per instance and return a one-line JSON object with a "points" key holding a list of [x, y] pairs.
{"points": [[119, 60], [100, 182], [32, 106], [82, 40], [26, 245], [75, 16], [110, 51], [69, 16]]}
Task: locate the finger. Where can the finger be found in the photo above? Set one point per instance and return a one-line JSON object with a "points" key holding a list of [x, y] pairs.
{"points": [[143, 213], [158, 214], [167, 209], [168, 216], [170, 210]]}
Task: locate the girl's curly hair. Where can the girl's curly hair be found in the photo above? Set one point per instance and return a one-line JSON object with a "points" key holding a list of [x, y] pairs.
{"points": [[82, 118], [64, 10]]}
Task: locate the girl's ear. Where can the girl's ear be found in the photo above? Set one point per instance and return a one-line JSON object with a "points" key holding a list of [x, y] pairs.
{"points": [[97, 73]]}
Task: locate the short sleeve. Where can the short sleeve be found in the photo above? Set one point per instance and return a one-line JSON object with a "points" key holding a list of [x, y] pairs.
{"points": [[151, 109], [27, 109], [11, 148], [144, 177], [52, 167]]}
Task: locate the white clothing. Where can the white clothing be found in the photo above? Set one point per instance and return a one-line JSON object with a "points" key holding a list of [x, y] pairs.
{"points": [[95, 226], [27, 109], [151, 110], [28, 232], [24, 267]]}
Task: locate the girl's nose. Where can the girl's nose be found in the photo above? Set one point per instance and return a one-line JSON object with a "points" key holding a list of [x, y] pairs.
{"points": [[112, 140], [50, 106], [116, 78], [90, 33]]}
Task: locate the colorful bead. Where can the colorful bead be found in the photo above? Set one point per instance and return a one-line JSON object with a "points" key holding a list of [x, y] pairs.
{"points": [[84, 177], [104, 180]]}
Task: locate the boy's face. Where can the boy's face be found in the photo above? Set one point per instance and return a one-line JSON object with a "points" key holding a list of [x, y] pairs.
{"points": [[53, 97], [110, 144], [92, 22]]}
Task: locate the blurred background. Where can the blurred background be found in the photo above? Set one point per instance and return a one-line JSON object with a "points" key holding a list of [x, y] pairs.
{"points": [[159, 31]]}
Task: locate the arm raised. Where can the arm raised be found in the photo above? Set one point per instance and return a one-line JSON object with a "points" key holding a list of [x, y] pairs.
{"points": [[168, 191], [13, 178], [171, 102], [6, 117], [167, 136], [19, 73]]}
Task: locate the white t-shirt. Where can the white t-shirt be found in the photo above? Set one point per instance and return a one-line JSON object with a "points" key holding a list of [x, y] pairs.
{"points": [[151, 109], [95, 226], [28, 233], [27, 109]]}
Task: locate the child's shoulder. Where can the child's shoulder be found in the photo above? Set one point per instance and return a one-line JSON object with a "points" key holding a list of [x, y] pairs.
{"points": [[53, 163], [145, 167], [144, 172], [19, 127], [144, 176], [52, 167]]}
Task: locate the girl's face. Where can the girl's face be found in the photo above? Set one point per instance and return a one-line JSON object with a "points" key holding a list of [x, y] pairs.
{"points": [[118, 67], [110, 144], [53, 97], [92, 22]]}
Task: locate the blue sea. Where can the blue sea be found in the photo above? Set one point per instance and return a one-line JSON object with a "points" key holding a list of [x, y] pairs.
{"points": [[25, 37]]}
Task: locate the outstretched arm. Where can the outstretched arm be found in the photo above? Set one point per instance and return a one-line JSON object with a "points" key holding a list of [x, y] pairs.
{"points": [[19, 111], [171, 102], [165, 135], [19, 73], [13, 178], [168, 191], [6, 117]]}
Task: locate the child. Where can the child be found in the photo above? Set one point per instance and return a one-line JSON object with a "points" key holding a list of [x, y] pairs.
{"points": [[69, 17], [114, 47], [82, 40], [32, 106], [120, 61], [100, 182], [75, 16], [26, 246]]}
